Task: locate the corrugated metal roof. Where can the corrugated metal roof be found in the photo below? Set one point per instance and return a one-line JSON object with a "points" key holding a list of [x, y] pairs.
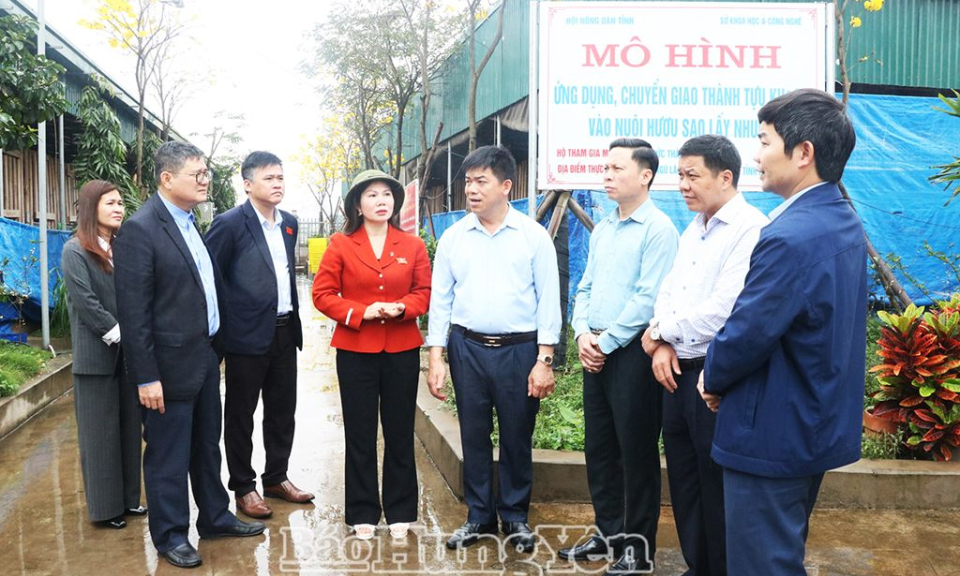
{"points": [[917, 41]]}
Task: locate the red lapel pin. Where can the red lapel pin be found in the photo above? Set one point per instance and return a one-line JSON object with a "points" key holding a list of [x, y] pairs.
{"points": [[289, 231]]}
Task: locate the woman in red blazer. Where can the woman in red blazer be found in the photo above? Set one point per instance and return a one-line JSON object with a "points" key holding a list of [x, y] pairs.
{"points": [[374, 280]]}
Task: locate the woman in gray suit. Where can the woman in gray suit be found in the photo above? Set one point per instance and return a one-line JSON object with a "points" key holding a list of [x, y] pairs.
{"points": [[107, 408]]}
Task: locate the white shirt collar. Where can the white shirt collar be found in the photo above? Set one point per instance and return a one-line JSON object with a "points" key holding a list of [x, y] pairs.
{"points": [[789, 201], [106, 247], [277, 218], [729, 213]]}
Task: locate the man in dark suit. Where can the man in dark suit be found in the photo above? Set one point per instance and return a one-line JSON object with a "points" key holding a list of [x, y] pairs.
{"points": [[789, 361], [168, 311], [253, 247]]}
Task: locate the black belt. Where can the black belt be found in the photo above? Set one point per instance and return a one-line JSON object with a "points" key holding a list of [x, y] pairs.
{"points": [[496, 340], [283, 320], [691, 363]]}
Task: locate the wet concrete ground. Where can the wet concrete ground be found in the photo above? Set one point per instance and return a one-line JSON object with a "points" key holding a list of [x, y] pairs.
{"points": [[44, 527]]}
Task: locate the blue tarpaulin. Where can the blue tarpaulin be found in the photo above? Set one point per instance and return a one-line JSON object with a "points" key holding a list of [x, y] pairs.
{"points": [[20, 259], [899, 141]]}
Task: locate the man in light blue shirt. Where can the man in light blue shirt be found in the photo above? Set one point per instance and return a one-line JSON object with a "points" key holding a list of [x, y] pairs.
{"points": [[495, 306], [187, 225], [631, 252], [168, 305]]}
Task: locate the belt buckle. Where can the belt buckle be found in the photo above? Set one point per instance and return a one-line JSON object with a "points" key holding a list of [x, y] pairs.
{"points": [[492, 341]]}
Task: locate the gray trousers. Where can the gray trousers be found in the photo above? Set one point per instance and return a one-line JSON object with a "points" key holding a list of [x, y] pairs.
{"points": [[108, 428]]}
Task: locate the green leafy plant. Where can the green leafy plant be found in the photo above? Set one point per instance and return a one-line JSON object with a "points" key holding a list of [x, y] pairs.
{"points": [[101, 151], [18, 363], [30, 88], [871, 385], [15, 288], [919, 376], [222, 193], [431, 244], [149, 178], [59, 316], [881, 446], [560, 423], [949, 174]]}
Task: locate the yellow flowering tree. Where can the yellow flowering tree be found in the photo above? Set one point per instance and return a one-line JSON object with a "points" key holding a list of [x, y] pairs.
{"points": [[850, 14], [143, 28], [326, 161]]}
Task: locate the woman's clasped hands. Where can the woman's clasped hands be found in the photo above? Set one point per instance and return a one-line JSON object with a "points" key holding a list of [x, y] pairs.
{"points": [[384, 310]]}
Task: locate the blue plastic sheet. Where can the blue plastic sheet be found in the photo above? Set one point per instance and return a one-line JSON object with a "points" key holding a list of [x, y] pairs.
{"points": [[8, 317], [899, 140], [20, 256]]}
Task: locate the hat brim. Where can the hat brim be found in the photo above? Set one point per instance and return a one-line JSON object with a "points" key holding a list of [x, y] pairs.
{"points": [[395, 187]]}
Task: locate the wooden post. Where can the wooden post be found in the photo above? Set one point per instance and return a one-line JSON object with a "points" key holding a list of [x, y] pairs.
{"points": [[558, 211], [581, 214], [548, 201]]}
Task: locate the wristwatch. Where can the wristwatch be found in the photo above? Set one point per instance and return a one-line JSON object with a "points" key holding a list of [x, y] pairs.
{"points": [[546, 359], [655, 331]]}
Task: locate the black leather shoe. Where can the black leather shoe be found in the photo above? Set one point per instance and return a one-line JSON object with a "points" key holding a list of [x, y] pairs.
{"points": [[138, 511], [593, 549], [468, 534], [183, 556], [115, 523], [627, 564], [519, 535], [240, 529]]}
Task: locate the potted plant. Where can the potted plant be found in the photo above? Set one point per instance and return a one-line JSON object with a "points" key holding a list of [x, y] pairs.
{"points": [[919, 376]]}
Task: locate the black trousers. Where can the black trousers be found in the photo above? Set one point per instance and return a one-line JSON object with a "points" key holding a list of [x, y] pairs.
{"points": [[696, 481], [274, 375], [622, 417], [383, 384], [185, 441]]}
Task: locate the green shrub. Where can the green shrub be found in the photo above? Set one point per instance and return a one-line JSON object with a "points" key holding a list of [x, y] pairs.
{"points": [[59, 316], [560, 422], [18, 363], [880, 446]]}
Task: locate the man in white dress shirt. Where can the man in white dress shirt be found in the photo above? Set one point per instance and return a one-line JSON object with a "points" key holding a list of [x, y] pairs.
{"points": [[253, 245], [695, 300]]}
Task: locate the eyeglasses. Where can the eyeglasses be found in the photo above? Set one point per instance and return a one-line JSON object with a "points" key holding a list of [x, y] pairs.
{"points": [[202, 175]]}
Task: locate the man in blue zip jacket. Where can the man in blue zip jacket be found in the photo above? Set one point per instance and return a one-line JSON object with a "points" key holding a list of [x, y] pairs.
{"points": [[786, 371]]}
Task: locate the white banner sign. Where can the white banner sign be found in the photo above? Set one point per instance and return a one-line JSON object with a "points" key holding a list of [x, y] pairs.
{"points": [[665, 72]]}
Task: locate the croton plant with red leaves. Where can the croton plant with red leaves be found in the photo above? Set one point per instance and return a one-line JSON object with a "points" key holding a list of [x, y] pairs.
{"points": [[919, 376]]}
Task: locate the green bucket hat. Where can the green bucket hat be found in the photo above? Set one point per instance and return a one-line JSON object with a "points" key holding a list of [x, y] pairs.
{"points": [[364, 179]]}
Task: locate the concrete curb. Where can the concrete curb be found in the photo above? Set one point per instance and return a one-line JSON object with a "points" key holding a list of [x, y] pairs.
{"points": [[561, 476], [36, 393]]}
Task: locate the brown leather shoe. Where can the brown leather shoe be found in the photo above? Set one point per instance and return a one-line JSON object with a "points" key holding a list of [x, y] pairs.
{"points": [[287, 491], [253, 505]]}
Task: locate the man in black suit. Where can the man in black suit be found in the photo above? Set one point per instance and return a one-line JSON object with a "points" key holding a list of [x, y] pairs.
{"points": [[253, 247], [168, 312]]}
